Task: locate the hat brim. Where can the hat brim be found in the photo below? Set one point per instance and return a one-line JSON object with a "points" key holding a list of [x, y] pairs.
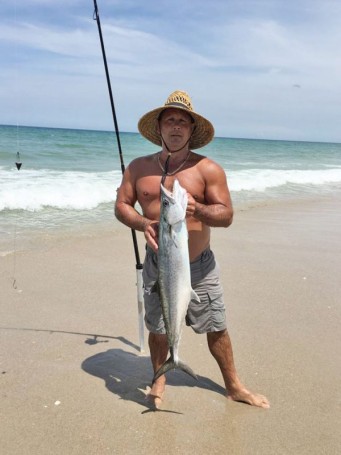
{"points": [[202, 135]]}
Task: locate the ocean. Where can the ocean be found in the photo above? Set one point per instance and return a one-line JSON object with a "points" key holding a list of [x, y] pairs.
{"points": [[68, 178]]}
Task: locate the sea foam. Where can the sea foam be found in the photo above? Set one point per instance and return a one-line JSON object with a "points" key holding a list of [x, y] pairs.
{"points": [[260, 180], [34, 190]]}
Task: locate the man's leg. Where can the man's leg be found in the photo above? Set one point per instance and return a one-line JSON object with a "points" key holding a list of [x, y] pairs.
{"points": [[220, 347], [158, 346]]}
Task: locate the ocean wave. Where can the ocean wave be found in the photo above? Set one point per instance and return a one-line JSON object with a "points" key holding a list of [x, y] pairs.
{"points": [[35, 190], [260, 180]]}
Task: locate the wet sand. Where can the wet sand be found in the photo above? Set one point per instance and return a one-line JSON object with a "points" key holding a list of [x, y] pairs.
{"points": [[73, 380]]}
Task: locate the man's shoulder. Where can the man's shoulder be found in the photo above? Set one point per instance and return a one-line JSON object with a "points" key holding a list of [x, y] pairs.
{"points": [[204, 161], [142, 166], [142, 160], [209, 170]]}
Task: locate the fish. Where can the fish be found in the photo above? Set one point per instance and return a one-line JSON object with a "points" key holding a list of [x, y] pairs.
{"points": [[174, 275]]}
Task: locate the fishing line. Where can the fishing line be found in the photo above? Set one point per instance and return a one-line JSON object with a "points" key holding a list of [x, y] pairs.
{"points": [[18, 162]]}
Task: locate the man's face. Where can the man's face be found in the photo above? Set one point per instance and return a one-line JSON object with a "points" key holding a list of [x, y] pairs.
{"points": [[176, 127]]}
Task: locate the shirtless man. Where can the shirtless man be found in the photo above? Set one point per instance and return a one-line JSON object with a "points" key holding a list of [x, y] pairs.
{"points": [[178, 130]]}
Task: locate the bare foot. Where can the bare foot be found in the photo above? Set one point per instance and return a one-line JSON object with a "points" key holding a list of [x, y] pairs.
{"points": [[155, 396], [254, 399]]}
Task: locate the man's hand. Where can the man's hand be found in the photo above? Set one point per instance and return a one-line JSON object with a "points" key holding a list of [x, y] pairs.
{"points": [[191, 205], [151, 233]]}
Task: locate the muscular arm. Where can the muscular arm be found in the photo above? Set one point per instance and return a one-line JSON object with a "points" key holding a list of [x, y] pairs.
{"points": [[217, 209], [125, 207]]}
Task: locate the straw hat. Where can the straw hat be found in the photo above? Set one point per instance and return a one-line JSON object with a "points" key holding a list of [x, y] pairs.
{"points": [[203, 132]]}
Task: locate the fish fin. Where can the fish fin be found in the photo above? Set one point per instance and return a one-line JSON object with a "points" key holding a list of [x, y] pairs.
{"points": [[182, 366], [170, 364], [155, 288], [194, 296]]}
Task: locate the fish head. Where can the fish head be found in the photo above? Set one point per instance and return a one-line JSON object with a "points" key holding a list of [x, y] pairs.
{"points": [[173, 204]]}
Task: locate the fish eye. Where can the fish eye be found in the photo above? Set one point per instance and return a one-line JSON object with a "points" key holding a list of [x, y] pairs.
{"points": [[165, 203]]}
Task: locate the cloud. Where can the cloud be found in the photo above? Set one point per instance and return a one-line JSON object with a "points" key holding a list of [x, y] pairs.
{"points": [[73, 42], [239, 60]]}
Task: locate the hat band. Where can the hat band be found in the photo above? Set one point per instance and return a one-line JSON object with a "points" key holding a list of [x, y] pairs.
{"points": [[178, 105]]}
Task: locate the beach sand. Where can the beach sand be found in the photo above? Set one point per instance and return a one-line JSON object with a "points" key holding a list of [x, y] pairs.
{"points": [[73, 380]]}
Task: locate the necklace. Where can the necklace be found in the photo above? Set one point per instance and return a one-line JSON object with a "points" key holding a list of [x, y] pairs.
{"points": [[177, 169]]}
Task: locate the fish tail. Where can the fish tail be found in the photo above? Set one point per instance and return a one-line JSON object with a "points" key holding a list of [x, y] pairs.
{"points": [[182, 366], [170, 364]]}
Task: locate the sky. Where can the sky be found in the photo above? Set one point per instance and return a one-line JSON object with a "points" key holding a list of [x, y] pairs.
{"points": [[262, 69]]}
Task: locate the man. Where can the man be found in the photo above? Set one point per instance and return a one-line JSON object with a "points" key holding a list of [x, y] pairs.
{"points": [[178, 130]]}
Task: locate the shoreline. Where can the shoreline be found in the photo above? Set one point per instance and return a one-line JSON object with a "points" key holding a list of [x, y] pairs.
{"points": [[36, 237], [73, 380]]}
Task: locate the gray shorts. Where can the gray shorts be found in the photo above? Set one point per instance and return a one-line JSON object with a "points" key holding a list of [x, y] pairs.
{"points": [[206, 315]]}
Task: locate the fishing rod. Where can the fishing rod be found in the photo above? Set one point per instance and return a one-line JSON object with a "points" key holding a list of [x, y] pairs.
{"points": [[139, 266]]}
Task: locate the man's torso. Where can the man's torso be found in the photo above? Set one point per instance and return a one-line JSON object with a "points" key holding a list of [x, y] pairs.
{"points": [[191, 178]]}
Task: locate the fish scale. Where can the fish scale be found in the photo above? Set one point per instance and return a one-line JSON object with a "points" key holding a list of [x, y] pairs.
{"points": [[174, 275]]}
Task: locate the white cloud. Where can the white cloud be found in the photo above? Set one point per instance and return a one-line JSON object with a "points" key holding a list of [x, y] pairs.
{"points": [[241, 66], [75, 42]]}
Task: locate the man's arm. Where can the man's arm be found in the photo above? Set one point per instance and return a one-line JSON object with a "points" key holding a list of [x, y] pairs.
{"points": [[125, 208], [217, 210]]}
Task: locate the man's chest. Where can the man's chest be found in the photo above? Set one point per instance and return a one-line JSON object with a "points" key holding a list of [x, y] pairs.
{"points": [[148, 187]]}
